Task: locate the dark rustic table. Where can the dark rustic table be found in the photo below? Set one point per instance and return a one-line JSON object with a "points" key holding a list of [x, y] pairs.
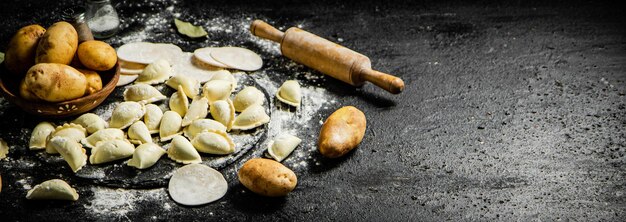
{"points": [[512, 111]]}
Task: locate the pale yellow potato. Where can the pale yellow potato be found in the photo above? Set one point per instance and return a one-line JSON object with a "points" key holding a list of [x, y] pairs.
{"points": [[20, 54], [58, 44], [267, 177], [97, 55], [342, 132], [94, 82], [26, 94], [54, 82]]}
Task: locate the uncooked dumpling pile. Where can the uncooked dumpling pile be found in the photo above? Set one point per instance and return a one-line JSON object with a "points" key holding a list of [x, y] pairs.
{"points": [[202, 111]]}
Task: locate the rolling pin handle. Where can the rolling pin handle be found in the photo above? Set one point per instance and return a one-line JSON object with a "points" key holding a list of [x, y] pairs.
{"points": [[388, 82], [266, 31]]}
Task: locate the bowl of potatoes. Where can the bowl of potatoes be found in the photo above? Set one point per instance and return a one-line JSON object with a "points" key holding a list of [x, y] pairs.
{"points": [[47, 72]]}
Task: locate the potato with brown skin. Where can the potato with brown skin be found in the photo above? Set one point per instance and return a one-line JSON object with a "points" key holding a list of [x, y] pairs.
{"points": [[267, 177], [94, 82], [97, 55], [20, 53], [342, 132], [26, 94], [54, 82], [58, 44]]}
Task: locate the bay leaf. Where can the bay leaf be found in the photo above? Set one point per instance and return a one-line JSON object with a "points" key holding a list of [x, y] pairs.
{"points": [[189, 29]]}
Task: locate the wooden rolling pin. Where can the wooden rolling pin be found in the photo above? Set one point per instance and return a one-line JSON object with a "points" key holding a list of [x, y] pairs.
{"points": [[327, 57]]}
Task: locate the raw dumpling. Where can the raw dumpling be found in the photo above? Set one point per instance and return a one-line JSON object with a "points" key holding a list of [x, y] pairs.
{"points": [[71, 131], [248, 96], [226, 75], [146, 155], [282, 146], [182, 151], [250, 118], [155, 73], [196, 184], [223, 112], [215, 90], [54, 189], [138, 133], [190, 86], [213, 142], [290, 93], [71, 151], [178, 102], [198, 109], [111, 150], [171, 123], [91, 122], [152, 118], [142, 93], [126, 113], [40, 134], [201, 125], [103, 135]]}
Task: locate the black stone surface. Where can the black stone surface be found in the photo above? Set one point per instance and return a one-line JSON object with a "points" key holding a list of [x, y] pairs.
{"points": [[512, 111]]}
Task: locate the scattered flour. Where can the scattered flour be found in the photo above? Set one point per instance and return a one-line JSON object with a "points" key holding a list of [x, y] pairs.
{"points": [[118, 202]]}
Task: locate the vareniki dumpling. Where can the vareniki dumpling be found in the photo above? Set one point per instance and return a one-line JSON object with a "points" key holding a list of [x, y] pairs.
{"points": [[225, 75], [282, 146], [290, 93], [111, 150], [213, 142], [103, 135], [138, 133], [146, 155], [223, 112], [178, 102], [190, 86], [71, 131], [155, 73], [91, 122], [248, 96], [171, 124], [54, 189], [251, 117], [201, 125], [198, 109], [152, 118], [126, 113], [217, 90], [182, 151], [71, 151], [142, 93], [40, 134]]}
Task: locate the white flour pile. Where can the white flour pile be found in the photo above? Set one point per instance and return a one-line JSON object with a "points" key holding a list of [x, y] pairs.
{"points": [[118, 202]]}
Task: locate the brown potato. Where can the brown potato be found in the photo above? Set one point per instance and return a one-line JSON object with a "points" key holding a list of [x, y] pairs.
{"points": [[58, 44], [20, 53], [26, 94], [94, 82], [267, 177], [342, 132], [55, 82], [97, 55]]}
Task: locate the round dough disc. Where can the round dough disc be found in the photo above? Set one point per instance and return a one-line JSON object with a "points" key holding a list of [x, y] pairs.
{"points": [[126, 71], [131, 65], [126, 79], [197, 184], [238, 58], [146, 52], [189, 66], [204, 55]]}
